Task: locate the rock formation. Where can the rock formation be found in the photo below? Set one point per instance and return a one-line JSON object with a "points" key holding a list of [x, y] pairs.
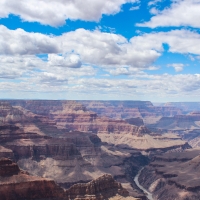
{"points": [[70, 144], [100, 188], [173, 175], [16, 184]]}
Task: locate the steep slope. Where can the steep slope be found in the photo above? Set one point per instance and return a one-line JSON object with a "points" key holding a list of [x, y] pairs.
{"points": [[16, 184], [64, 141], [173, 175]]}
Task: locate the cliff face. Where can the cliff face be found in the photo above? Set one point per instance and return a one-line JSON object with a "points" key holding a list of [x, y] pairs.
{"points": [[173, 175], [101, 188], [8, 114], [64, 141], [36, 148], [16, 184], [131, 109], [112, 109]]}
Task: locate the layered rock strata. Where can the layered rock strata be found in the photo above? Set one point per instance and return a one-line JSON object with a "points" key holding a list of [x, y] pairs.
{"points": [[16, 184], [173, 176], [101, 188]]}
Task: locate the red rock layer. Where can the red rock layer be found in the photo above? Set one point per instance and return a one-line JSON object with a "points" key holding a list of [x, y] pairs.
{"points": [[99, 189]]}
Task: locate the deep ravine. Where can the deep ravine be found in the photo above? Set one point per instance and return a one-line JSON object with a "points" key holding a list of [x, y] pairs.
{"points": [[148, 194]]}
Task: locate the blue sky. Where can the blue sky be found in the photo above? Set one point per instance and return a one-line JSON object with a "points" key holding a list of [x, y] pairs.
{"points": [[122, 49]]}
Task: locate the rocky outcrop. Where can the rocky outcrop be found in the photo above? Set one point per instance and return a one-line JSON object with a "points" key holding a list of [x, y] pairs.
{"points": [[8, 114], [173, 175], [66, 142], [16, 184], [99, 189], [5, 152], [8, 168], [135, 121], [36, 148]]}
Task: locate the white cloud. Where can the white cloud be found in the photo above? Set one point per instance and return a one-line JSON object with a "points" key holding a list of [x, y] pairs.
{"points": [[181, 13], [177, 66], [135, 8], [120, 71], [153, 2], [107, 49], [37, 70], [179, 41], [142, 86], [55, 12], [83, 46], [71, 61], [21, 42]]}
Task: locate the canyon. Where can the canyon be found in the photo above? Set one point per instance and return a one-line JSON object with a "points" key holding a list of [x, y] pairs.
{"points": [[95, 149]]}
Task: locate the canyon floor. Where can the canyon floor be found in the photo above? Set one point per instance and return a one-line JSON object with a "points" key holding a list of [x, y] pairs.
{"points": [[94, 149]]}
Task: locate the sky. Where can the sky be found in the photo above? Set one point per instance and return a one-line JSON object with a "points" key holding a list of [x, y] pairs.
{"points": [[100, 50]]}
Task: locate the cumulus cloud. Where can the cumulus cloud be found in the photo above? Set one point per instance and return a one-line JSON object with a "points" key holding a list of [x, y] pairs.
{"points": [[81, 48], [71, 61], [179, 41], [107, 49], [77, 47], [79, 54], [181, 13], [135, 8], [21, 42], [177, 66], [37, 70], [55, 12]]}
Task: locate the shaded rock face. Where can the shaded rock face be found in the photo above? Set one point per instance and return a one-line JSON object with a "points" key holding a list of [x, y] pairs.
{"points": [[101, 188], [173, 175], [16, 184], [8, 168], [35, 148], [135, 121]]}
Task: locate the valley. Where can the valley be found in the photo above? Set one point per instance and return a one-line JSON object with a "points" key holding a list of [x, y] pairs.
{"points": [[73, 146]]}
